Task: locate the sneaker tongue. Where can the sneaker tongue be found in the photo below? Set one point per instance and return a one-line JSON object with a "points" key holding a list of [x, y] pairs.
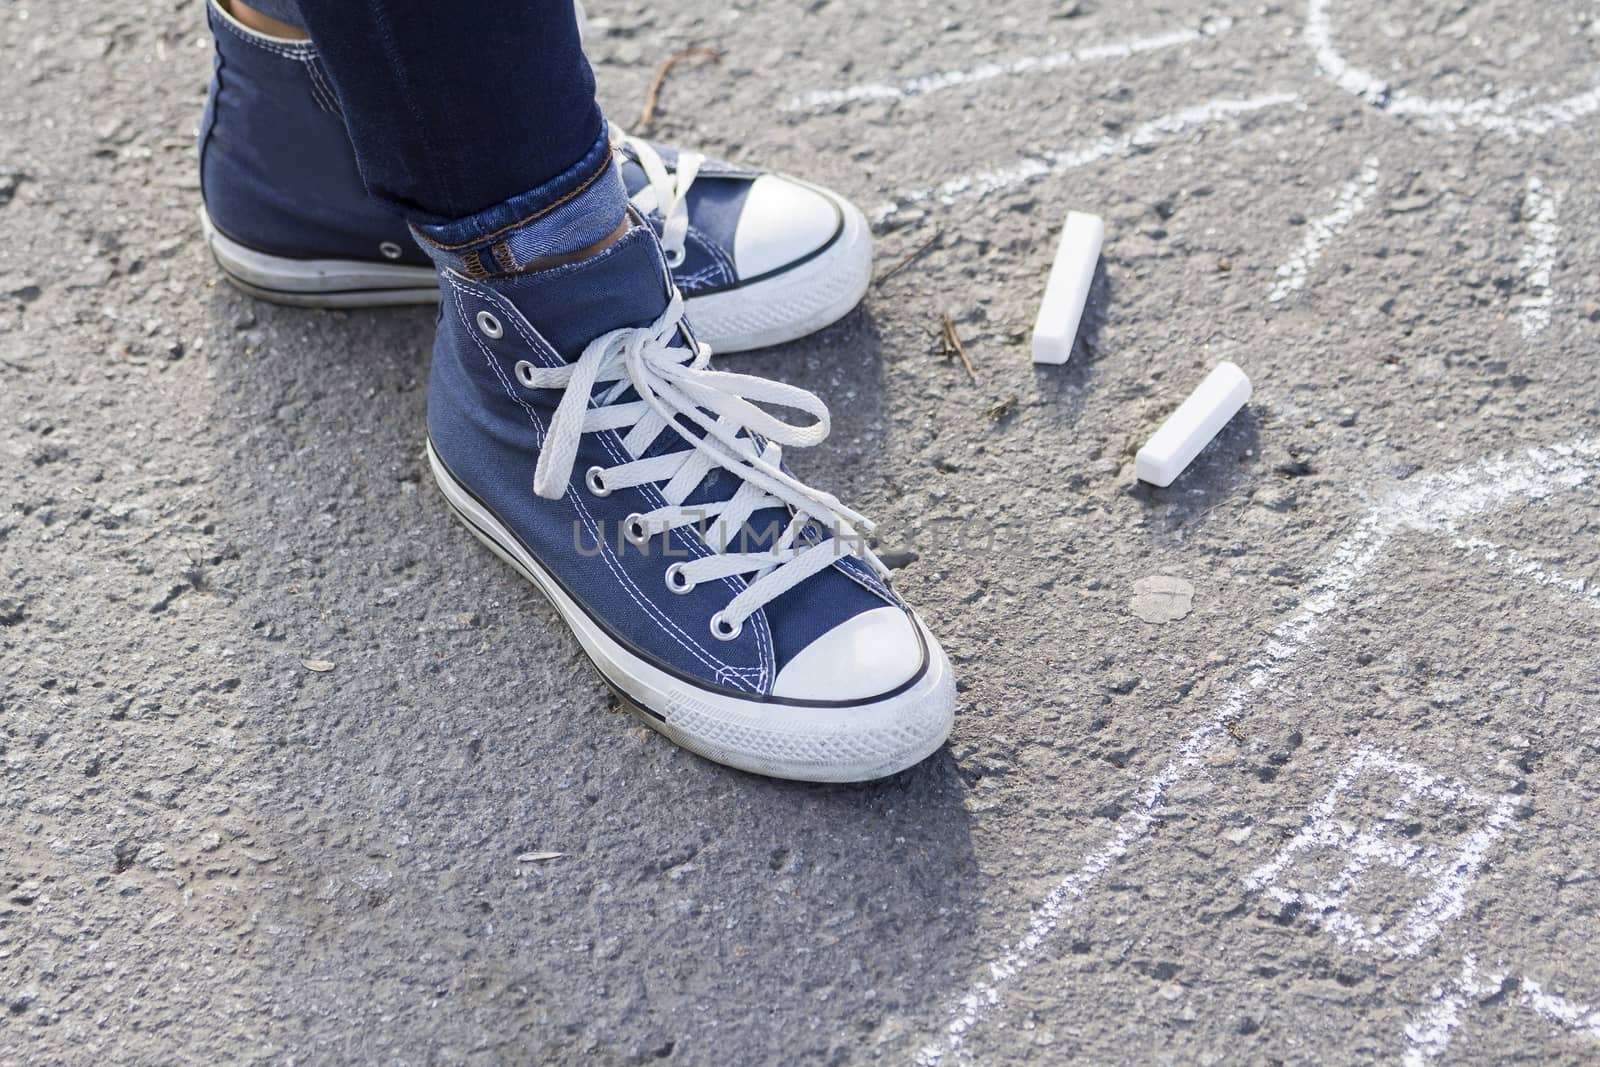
{"points": [[626, 285]]}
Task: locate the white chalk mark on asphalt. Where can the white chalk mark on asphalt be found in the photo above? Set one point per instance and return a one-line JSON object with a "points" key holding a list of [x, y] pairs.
{"points": [[1513, 563], [1538, 262], [1431, 1029], [1352, 200], [1497, 112], [823, 100], [984, 995], [1434, 505], [1580, 1018], [1319, 35], [1034, 167], [1334, 828]]}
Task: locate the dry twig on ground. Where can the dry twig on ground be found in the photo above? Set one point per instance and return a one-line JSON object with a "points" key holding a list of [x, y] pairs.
{"points": [[906, 262], [648, 115], [954, 347]]}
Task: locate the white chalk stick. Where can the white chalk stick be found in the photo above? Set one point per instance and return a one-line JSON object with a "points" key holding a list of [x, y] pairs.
{"points": [[1193, 425], [1068, 287]]}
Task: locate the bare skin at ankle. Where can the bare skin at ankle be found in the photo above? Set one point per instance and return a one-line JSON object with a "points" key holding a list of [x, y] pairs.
{"points": [[266, 24], [546, 262]]}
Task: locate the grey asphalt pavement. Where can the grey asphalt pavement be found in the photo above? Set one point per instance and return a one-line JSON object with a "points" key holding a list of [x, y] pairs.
{"points": [[1337, 803]]}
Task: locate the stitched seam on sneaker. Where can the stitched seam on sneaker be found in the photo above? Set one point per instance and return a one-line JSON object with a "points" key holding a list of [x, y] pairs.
{"points": [[708, 275], [316, 88], [870, 582], [209, 119], [715, 252], [723, 670], [319, 81]]}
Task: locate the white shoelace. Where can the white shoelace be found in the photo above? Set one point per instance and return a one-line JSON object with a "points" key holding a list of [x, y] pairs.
{"points": [[677, 387], [667, 191]]}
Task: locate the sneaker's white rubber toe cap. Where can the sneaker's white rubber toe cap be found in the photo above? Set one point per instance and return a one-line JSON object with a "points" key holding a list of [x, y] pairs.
{"points": [[864, 657], [782, 221]]}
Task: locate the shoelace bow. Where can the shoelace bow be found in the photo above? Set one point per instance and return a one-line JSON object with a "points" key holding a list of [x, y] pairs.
{"points": [[668, 192], [675, 386]]}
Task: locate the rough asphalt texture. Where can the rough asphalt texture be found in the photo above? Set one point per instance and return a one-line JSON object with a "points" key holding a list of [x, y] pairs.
{"points": [[209, 853]]}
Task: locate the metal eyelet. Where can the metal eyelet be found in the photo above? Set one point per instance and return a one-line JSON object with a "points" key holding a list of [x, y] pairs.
{"points": [[524, 373], [390, 250], [723, 630], [594, 478], [635, 530], [676, 581], [489, 324], [675, 257]]}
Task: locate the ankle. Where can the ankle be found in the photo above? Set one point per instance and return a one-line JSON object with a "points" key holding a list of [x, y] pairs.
{"points": [[250, 18]]}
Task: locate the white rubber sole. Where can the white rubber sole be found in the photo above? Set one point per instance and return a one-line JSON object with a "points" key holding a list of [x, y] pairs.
{"points": [[769, 311], [853, 743], [318, 283]]}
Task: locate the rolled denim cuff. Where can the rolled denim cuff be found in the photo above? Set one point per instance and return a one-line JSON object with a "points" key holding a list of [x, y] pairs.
{"points": [[578, 208]]}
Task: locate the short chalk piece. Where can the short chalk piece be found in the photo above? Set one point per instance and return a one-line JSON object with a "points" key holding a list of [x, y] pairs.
{"points": [[1193, 425], [1068, 287]]}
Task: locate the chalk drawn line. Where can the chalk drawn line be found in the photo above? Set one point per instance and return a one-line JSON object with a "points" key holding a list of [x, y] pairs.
{"points": [[1046, 162], [1449, 873], [1580, 591], [819, 101], [1351, 201], [1538, 261], [1504, 113], [1433, 506], [1431, 1029]]}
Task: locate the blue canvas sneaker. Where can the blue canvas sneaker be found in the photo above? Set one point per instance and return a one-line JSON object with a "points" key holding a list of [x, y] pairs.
{"points": [[576, 427], [760, 258]]}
